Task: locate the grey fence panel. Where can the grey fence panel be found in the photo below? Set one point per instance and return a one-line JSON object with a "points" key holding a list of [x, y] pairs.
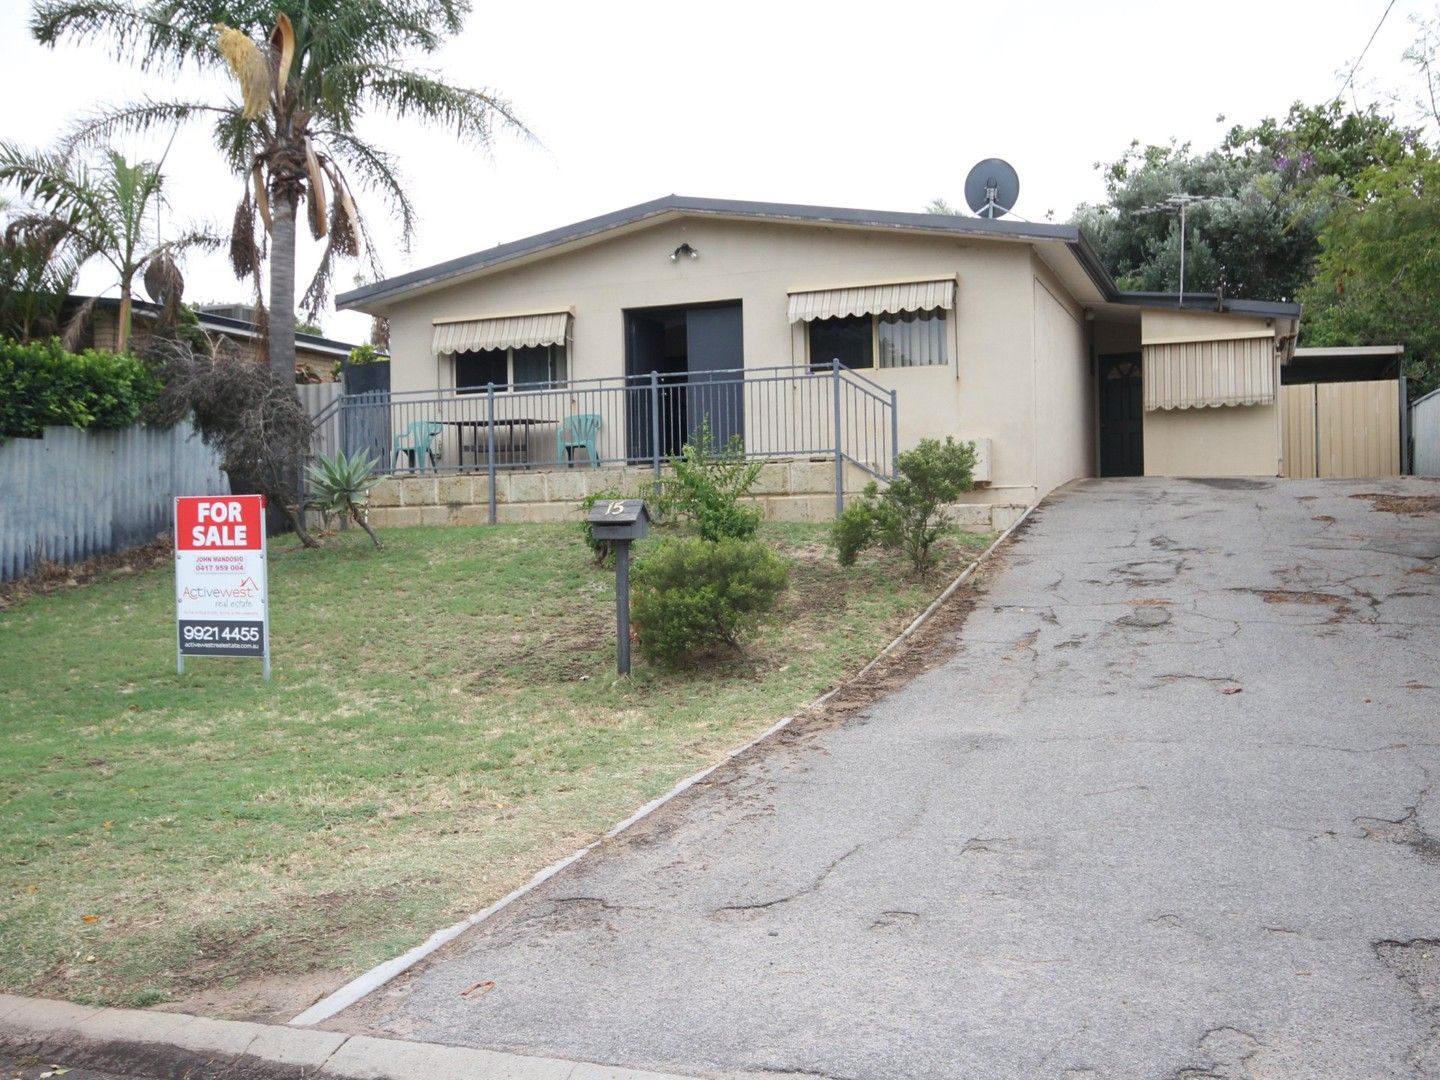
{"points": [[75, 494], [319, 399], [1425, 434]]}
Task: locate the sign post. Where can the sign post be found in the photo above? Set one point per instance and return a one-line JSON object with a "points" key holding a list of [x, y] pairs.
{"points": [[620, 522], [221, 596]]}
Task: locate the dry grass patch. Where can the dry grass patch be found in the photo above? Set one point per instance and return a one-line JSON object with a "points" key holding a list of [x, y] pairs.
{"points": [[444, 721]]}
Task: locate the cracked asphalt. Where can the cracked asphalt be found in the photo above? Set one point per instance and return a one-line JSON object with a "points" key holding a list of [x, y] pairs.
{"points": [[1166, 812]]}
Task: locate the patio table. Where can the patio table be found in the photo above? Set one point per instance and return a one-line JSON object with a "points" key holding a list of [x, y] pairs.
{"points": [[477, 429]]}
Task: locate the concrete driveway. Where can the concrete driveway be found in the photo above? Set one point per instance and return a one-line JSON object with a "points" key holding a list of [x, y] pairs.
{"points": [[1167, 812]]}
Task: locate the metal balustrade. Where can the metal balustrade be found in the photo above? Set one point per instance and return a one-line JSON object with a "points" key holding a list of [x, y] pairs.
{"points": [[771, 414]]}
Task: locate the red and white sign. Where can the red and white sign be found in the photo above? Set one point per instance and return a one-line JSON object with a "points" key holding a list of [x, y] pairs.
{"points": [[220, 582], [220, 523]]}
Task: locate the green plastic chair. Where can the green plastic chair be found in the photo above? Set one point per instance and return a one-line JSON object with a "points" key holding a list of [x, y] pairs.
{"points": [[577, 431], [419, 442]]}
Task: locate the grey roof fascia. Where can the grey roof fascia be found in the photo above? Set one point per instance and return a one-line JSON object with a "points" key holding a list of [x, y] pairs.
{"points": [[1273, 309], [1069, 235]]}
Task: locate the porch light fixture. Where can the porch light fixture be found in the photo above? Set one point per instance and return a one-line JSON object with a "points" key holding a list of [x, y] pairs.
{"points": [[683, 249]]}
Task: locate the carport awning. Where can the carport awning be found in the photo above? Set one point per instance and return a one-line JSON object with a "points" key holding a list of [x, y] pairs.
{"points": [[1205, 374], [872, 300], [507, 332]]}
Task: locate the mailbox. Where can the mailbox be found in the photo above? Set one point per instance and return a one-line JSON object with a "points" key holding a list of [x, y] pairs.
{"points": [[621, 519]]}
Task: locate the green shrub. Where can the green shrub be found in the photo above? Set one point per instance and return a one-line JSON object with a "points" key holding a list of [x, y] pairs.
{"points": [[367, 354], [42, 385], [854, 530], [692, 595], [709, 483], [909, 515]]}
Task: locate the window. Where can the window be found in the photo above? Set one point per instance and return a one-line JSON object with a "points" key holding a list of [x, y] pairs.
{"points": [[905, 339], [509, 369]]}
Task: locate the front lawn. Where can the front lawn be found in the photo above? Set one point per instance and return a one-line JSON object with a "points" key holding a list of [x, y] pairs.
{"points": [[444, 721]]}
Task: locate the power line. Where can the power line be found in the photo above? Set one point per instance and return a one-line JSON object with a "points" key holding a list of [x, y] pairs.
{"points": [[1356, 66]]}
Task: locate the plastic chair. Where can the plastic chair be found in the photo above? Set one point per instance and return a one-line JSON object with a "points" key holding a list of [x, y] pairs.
{"points": [[576, 431], [419, 442]]}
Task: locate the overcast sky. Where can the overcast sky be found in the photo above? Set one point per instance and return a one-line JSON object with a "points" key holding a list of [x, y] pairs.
{"points": [[873, 105]]}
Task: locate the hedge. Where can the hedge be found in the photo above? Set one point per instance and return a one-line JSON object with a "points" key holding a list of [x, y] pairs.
{"points": [[42, 385]]}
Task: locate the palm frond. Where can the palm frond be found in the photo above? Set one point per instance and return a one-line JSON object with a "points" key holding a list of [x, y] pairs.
{"points": [[240, 141], [164, 34], [136, 118], [377, 172], [75, 325], [474, 116]]}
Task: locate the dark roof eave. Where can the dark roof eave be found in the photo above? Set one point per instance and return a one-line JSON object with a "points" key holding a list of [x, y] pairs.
{"points": [[1270, 309], [1069, 235]]}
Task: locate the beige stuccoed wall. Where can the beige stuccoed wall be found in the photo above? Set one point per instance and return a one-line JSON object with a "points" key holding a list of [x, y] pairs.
{"points": [[987, 390], [1231, 440], [1064, 386]]}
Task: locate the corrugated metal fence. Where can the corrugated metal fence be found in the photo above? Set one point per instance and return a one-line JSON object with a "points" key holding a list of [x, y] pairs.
{"points": [[317, 398], [1425, 434], [75, 494]]}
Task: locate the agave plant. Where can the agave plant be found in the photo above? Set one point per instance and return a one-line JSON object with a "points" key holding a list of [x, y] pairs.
{"points": [[341, 485]]}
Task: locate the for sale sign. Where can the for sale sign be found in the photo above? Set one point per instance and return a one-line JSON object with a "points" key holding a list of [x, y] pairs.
{"points": [[220, 590]]}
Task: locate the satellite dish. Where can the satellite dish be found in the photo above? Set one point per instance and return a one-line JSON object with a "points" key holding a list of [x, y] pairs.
{"points": [[992, 188]]}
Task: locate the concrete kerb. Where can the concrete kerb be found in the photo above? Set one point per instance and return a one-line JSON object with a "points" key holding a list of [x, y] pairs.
{"points": [[179, 1045], [378, 976]]}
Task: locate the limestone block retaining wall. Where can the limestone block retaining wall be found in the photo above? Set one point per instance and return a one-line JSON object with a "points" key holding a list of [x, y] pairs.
{"points": [[784, 491]]}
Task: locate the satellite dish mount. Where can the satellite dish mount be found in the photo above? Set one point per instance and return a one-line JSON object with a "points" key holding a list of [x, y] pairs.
{"points": [[992, 188]]}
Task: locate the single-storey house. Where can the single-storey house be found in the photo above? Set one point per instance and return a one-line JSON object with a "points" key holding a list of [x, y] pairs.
{"points": [[1006, 332]]}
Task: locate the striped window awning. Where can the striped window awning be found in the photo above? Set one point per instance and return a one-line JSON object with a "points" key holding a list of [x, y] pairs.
{"points": [[872, 300], [507, 332], [1206, 374]]}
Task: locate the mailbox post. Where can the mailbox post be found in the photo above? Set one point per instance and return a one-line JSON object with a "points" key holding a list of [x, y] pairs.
{"points": [[620, 522]]}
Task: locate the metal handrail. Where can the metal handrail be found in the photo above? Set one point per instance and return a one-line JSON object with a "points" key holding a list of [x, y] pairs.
{"points": [[779, 412]]}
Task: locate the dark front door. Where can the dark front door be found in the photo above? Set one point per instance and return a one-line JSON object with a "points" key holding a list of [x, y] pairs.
{"points": [[645, 349], [1122, 441], [715, 352]]}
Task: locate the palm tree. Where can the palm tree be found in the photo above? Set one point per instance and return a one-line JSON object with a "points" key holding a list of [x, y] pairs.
{"points": [[37, 272], [308, 71], [103, 213]]}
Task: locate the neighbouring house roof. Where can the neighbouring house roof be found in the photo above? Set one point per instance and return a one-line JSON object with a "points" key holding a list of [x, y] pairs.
{"points": [[224, 324], [1067, 237]]}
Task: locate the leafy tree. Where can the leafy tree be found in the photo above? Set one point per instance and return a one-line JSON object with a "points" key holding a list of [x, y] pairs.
{"points": [[104, 213], [308, 71], [1268, 188], [1378, 280]]}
